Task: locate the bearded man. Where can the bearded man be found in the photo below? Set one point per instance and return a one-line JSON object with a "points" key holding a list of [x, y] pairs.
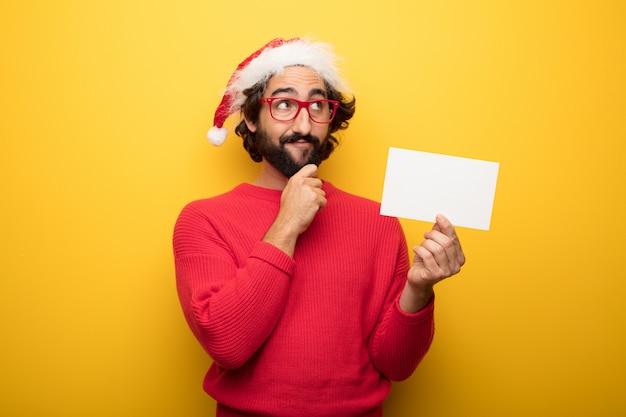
{"points": [[302, 294]]}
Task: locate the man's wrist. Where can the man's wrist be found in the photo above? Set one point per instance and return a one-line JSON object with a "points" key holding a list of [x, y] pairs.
{"points": [[282, 238], [415, 297]]}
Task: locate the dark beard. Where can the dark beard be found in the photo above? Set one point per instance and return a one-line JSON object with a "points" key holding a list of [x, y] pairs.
{"points": [[280, 158]]}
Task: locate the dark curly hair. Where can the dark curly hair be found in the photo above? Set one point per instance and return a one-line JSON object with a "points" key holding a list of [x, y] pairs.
{"points": [[252, 107]]}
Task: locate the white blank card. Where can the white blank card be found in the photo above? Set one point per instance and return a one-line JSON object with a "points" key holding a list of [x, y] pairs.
{"points": [[420, 185]]}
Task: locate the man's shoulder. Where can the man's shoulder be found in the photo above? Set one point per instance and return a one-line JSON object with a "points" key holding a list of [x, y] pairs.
{"points": [[222, 201], [234, 203], [353, 199], [212, 200], [358, 208]]}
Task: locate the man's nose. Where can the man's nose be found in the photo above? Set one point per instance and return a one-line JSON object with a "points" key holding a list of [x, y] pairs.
{"points": [[302, 122]]}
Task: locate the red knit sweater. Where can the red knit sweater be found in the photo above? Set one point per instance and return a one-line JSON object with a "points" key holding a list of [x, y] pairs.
{"points": [[319, 334]]}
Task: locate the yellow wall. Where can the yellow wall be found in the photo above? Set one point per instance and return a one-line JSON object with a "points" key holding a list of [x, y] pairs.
{"points": [[104, 107]]}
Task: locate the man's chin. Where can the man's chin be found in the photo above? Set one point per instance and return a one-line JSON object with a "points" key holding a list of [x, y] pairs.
{"points": [[291, 169], [299, 151]]}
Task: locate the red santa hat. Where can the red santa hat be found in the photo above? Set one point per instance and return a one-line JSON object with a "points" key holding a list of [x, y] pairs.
{"points": [[271, 59]]}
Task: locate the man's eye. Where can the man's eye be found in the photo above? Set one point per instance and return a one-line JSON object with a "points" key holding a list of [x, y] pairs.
{"points": [[316, 106], [284, 104]]}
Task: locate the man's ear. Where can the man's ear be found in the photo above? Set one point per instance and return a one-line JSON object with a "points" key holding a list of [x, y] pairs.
{"points": [[251, 125]]}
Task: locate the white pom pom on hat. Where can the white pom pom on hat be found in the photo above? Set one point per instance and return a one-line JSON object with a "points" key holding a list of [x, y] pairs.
{"points": [[267, 61], [217, 135]]}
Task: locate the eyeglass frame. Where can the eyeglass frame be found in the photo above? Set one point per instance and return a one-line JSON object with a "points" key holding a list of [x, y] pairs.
{"points": [[301, 105]]}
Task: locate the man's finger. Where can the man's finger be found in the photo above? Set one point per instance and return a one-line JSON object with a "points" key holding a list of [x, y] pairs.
{"points": [[444, 225], [309, 171]]}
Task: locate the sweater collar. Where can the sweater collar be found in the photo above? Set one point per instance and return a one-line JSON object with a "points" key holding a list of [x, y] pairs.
{"points": [[273, 195]]}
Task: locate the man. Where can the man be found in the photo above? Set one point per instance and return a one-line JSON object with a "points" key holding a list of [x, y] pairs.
{"points": [[302, 294]]}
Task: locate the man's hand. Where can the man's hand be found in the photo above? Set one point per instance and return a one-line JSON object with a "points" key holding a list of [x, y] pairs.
{"points": [[302, 198], [438, 257]]}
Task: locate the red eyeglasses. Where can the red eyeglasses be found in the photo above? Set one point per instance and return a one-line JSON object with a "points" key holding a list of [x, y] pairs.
{"points": [[287, 109]]}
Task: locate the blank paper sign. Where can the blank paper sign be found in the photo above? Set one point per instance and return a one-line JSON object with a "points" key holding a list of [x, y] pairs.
{"points": [[420, 185]]}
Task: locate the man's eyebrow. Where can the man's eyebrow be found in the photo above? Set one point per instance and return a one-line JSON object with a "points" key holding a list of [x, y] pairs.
{"points": [[291, 90], [317, 92]]}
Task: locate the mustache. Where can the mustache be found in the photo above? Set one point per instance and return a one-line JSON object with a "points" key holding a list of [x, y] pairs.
{"points": [[294, 138]]}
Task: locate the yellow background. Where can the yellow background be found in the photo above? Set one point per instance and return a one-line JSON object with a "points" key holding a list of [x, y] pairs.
{"points": [[104, 108]]}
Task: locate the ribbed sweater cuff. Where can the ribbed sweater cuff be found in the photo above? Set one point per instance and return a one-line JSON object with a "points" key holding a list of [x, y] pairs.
{"points": [[417, 318], [271, 254]]}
